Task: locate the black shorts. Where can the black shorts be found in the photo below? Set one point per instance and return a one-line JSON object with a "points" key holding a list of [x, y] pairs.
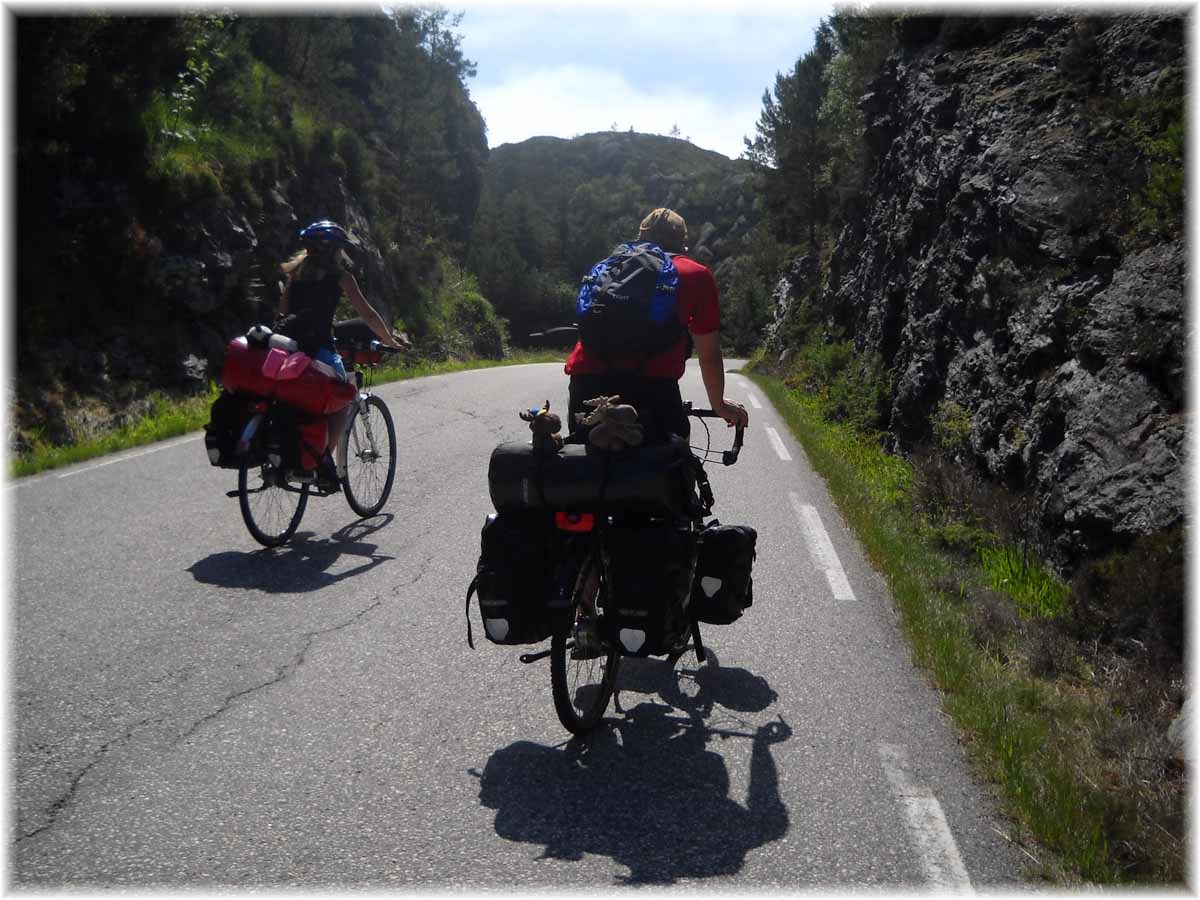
{"points": [[657, 400]]}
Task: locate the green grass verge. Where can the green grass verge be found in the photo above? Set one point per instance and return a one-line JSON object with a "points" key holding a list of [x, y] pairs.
{"points": [[171, 418], [1031, 737]]}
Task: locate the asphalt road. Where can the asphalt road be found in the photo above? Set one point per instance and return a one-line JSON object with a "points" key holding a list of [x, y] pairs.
{"points": [[190, 710]]}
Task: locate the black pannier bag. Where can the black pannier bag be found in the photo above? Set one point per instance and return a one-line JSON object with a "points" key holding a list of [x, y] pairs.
{"points": [[658, 480], [229, 414], [723, 586], [649, 571], [514, 579]]}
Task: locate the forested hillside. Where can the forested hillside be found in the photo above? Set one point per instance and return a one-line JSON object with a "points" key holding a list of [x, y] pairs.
{"points": [[165, 164], [551, 208]]}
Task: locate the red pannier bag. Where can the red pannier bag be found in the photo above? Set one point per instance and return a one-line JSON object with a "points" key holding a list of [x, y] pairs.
{"points": [[315, 390], [314, 438]]}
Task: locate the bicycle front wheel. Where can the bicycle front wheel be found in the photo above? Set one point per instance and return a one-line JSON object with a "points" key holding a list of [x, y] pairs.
{"points": [[583, 673], [370, 457], [271, 509]]}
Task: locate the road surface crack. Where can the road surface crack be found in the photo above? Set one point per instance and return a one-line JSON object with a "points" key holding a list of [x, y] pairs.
{"points": [[283, 671], [55, 809], [58, 805]]}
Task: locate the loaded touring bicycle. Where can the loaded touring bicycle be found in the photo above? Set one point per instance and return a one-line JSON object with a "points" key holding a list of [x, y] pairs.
{"points": [[270, 423], [607, 555]]}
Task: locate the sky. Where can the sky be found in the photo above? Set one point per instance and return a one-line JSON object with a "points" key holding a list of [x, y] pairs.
{"points": [[570, 68]]}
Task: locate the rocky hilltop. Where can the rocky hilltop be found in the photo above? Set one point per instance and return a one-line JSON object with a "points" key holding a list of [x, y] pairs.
{"points": [[551, 207], [1016, 272], [714, 193]]}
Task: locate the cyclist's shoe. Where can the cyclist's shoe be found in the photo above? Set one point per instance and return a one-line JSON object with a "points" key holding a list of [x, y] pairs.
{"points": [[323, 477], [587, 639]]}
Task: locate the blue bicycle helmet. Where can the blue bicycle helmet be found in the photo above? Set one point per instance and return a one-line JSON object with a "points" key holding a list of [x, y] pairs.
{"points": [[325, 234]]}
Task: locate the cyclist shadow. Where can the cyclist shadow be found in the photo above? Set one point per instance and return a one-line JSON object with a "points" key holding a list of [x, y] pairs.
{"points": [[644, 788], [301, 565]]}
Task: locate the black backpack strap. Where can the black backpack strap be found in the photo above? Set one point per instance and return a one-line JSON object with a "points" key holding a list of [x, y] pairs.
{"points": [[470, 591]]}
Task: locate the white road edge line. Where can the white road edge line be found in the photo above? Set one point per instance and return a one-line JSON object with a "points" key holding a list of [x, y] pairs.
{"points": [[754, 400], [777, 443], [165, 445], [927, 826], [822, 548]]}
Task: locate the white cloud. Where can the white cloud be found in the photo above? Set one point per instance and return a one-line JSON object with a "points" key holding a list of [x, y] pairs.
{"points": [[548, 68], [568, 100]]}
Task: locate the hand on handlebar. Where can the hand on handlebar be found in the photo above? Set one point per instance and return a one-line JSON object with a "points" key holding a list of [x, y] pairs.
{"points": [[396, 341], [732, 413]]}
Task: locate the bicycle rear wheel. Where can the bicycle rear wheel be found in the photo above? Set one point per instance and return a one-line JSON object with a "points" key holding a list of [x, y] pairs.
{"points": [[370, 457], [271, 509], [581, 681]]}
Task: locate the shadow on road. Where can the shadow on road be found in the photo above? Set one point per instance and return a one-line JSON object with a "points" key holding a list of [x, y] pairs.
{"points": [[643, 788], [301, 565]]}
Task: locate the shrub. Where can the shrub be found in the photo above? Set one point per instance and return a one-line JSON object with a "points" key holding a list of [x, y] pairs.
{"points": [[353, 153], [1158, 130], [1135, 598], [952, 427]]}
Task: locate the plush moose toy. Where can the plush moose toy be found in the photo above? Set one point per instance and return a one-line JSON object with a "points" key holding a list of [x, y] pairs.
{"points": [[546, 427], [614, 424]]}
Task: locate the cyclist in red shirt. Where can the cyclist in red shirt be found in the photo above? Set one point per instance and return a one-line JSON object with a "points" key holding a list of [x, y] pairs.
{"points": [[652, 385]]}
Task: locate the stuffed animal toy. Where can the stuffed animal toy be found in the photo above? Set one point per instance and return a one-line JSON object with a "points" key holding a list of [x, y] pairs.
{"points": [[545, 426], [614, 424]]}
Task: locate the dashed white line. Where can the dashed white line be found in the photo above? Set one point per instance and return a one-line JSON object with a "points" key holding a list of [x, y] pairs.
{"points": [[777, 443], [754, 401], [927, 826], [822, 548]]}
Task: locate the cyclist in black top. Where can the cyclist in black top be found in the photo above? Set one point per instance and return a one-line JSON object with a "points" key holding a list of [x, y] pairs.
{"points": [[318, 277]]}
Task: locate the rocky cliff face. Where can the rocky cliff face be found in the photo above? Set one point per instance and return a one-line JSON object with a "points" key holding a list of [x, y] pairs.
{"points": [[1003, 276]]}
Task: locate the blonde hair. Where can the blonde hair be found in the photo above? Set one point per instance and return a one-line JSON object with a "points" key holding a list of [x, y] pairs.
{"points": [[322, 266]]}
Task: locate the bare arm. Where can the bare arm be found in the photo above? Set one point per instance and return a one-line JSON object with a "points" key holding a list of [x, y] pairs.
{"points": [[712, 373], [368, 312]]}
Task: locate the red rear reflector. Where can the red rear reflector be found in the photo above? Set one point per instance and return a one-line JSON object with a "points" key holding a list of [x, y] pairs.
{"points": [[567, 521]]}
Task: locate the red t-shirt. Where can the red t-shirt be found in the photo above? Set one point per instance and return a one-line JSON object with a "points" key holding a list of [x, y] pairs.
{"points": [[698, 311]]}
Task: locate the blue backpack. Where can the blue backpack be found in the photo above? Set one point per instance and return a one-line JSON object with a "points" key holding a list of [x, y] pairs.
{"points": [[628, 302]]}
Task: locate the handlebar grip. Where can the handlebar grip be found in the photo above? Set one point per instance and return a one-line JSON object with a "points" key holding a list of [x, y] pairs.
{"points": [[729, 457], [378, 346]]}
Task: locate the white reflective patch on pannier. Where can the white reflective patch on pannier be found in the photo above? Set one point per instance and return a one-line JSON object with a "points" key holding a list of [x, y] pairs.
{"points": [[632, 639], [710, 585], [497, 629]]}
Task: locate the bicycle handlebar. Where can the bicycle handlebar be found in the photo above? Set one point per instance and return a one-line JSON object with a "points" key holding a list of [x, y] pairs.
{"points": [[381, 347], [730, 456]]}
